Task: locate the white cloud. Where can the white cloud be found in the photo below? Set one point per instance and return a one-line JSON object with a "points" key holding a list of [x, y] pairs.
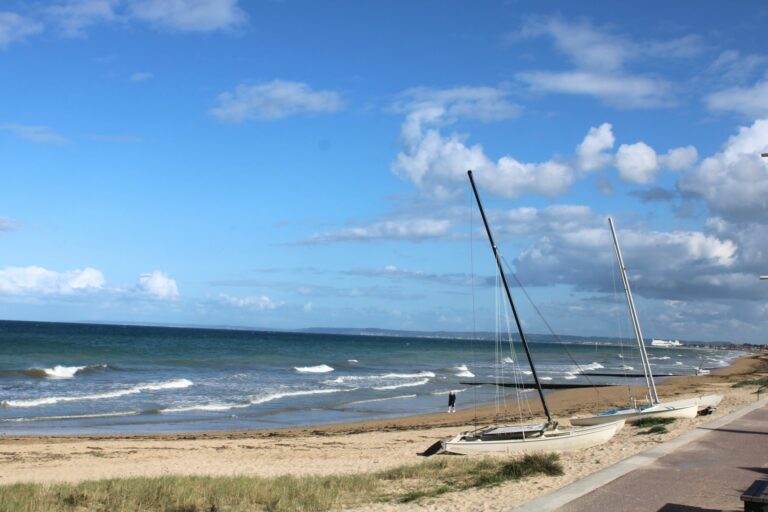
{"points": [[437, 164], [34, 280], [637, 163], [678, 159], [14, 27], [591, 152], [158, 285], [273, 100], [751, 102], [7, 224], [141, 76], [260, 303], [622, 91], [74, 16], [734, 181], [415, 229], [599, 58], [34, 133], [482, 103], [189, 15]]}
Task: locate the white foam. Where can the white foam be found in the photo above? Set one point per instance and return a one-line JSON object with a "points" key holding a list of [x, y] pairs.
{"points": [[62, 372], [277, 396], [508, 360], [352, 361], [678, 363], [589, 367], [204, 407], [627, 367], [463, 371], [661, 358], [546, 378], [569, 376], [382, 399], [375, 378], [321, 368], [154, 386], [404, 385], [74, 417], [438, 393]]}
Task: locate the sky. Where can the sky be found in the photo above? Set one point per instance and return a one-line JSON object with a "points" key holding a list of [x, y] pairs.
{"points": [[293, 164]]}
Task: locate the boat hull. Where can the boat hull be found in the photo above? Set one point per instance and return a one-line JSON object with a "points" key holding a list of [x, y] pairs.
{"points": [[682, 411], [702, 402], [553, 441]]}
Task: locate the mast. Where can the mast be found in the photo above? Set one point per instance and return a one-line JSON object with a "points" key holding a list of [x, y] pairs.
{"points": [[509, 298], [635, 322]]}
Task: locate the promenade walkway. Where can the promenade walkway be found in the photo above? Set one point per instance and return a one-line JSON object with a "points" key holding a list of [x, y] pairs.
{"points": [[701, 471]]}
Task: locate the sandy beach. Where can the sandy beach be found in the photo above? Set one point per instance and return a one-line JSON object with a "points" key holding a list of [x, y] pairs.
{"points": [[362, 447]]}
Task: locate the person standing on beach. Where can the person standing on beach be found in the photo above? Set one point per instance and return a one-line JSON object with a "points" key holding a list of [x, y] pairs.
{"points": [[451, 401]]}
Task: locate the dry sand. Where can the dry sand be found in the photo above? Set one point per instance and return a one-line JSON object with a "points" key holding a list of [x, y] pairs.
{"points": [[360, 447]]}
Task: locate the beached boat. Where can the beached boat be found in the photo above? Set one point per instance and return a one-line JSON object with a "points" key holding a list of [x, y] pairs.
{"points": [[688, 408], [522, 438]]}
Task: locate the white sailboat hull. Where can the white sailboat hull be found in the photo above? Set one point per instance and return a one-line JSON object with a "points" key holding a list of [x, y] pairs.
{"points": [[631, 415], [702, 402], [552, 441]]}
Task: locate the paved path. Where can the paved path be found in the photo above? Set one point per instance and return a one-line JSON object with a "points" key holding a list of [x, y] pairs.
{"points": [[704, 470]]}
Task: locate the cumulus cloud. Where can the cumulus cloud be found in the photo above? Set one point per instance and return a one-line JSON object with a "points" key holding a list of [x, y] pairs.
{"points": [[413, 229], [34, 280], [750, 102], [591, 152], [34, 133], [273, 100], [158, 285], [637, 163], [260, 303], [437, 164], [14, 27], [678, 159], [734, 181]]}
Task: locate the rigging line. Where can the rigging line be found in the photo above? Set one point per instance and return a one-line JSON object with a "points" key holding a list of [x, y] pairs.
{"points": [[552, 331], [620, 328], [474, 308]]}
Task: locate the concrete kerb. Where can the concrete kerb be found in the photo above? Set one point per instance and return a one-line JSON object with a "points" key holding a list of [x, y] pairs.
{"points": [[577, 489]]}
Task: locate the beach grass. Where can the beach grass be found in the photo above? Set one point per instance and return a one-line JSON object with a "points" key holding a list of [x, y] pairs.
{"points": [[284, 493], [762, 382], [653, 422]]}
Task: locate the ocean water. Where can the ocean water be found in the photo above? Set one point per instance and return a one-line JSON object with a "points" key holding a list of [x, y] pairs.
{"points": [[82, 378]]}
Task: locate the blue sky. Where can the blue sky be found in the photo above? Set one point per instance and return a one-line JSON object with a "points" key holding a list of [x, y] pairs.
{"points": [[285, 164]]}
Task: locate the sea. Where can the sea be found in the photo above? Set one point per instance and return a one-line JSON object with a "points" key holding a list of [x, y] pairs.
{"points": [[62, 379]]}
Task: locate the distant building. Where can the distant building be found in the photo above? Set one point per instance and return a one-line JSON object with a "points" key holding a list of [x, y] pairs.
{"points": [[665, 343]]}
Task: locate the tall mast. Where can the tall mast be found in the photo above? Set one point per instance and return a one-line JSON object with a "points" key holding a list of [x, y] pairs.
{"points": [[509, 298], [635, 322]]}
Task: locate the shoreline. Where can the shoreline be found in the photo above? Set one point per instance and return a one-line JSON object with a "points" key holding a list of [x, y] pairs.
{"points": [[560, 402], [360, 448]]}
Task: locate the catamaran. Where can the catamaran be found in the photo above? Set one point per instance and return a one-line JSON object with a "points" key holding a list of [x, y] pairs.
{"points": [[687, 408], [523, 438]]}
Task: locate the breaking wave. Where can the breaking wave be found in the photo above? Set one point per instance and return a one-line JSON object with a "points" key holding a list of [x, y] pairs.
{"points": [[73, 417], [463, 371], [403, 385], [382, 399], [153, 386], [321, 368]]}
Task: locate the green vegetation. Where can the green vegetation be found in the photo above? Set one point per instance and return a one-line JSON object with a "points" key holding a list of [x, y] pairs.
{"points": [[652, 422], [658, 429], [285, 493], [763, 381]]}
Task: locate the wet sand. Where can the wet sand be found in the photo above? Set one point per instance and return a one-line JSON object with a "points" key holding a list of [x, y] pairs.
{"points": [[364, 446]]}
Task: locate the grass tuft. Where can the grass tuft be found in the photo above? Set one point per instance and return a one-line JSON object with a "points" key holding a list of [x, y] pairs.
{"points": [[652, 422], [279, 494], [763, 381], [658, 429]]}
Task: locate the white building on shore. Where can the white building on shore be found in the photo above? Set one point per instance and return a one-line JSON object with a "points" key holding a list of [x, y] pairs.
{"points": [[665, 343]]}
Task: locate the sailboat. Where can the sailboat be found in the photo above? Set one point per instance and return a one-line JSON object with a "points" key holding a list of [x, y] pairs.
{"points": [[524, 438], [655, 408]]}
